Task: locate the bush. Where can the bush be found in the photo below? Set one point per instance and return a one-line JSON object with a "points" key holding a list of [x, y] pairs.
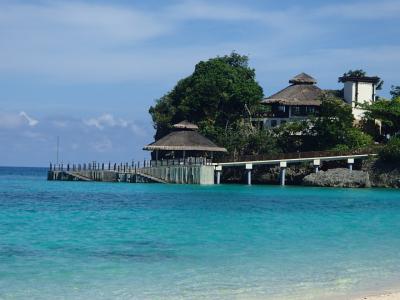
{"points": [[391, 152], [341, 147], [355, 138]]}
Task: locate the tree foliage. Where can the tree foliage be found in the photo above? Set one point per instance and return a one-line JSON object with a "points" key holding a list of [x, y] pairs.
{"points": [[293, 136], [216, 97], [244, 139], [387, 111], [361, 73], [355, 73], [333, 128], [332, 125], [395, 91], [222, 95], [391, 151]]}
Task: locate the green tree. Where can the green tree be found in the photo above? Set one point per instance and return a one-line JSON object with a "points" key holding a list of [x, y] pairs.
{"points": [[361, 73], [332, 124], [391, 151], [293, 136], [216, 97], [334, 127], [395, 91], [387, 111], [245, 139], [355, 138], [355, 73]]}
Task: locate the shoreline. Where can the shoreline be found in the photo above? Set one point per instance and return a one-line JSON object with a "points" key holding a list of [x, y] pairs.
{"points": [[381, 296]]}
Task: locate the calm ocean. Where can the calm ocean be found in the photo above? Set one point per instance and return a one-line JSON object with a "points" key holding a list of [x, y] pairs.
{"points": [[78, 240]]}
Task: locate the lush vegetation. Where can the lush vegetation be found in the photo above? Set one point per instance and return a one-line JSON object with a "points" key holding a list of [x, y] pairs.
{"points": [[222, 95], [391, 151], [395, 91], [361, 73], [216, 97], [387, 112], [332, 129]]}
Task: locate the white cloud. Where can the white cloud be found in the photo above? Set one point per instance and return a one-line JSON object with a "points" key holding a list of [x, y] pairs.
{"points": [[14, 120], [105, 43], [86, 42], [31, 121], [106, 120], [78, 20]]}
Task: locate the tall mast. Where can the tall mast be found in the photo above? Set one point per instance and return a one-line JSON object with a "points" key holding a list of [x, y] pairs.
{"points": [[58, 147]]}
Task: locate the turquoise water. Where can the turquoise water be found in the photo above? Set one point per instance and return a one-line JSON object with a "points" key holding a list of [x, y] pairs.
{"points": [[72, 240]]}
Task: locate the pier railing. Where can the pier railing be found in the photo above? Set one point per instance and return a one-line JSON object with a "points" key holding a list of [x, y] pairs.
{"points": [[128, 167], [294, 155]]}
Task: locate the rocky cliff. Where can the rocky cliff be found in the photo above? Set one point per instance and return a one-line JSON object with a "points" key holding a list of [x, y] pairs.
{"points": [[338, 178], [382, 174]]}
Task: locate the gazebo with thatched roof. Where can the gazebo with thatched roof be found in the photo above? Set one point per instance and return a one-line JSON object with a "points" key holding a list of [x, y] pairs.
{"points": [[184, 140]]}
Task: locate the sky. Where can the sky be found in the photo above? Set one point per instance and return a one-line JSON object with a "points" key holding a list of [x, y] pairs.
{"points": [[88, 71]]}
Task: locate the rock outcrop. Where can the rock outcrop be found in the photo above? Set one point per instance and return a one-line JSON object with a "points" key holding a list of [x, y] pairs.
{"points": [[338, 178], [383, 174]]}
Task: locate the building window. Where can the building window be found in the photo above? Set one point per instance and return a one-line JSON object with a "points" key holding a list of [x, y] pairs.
{"points": [[282, 108], [274, 123], [296, 110]]}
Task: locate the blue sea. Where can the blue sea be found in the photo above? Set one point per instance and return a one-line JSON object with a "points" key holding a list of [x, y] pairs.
{"points": [[80, 240]]}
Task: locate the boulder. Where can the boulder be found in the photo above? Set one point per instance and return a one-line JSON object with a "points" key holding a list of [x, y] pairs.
{"points": [[338, 178], [383, 174]]}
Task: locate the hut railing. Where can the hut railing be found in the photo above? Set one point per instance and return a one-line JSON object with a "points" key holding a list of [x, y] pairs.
{"points": [[127, 167]]}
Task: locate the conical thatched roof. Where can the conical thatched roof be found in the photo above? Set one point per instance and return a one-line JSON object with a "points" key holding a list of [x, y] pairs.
{"points": [[303, 78], [186, 125], [187, 140], [302, 91]]}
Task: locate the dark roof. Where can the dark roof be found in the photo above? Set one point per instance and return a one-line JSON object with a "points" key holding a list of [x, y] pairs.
{"points": [[186, 125], [303, 91], [303, 78], [184, 140], [373, 79]]}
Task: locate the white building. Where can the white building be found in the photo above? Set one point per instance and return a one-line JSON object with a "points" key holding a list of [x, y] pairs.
{"points": [[302, 98], [359, 90]]}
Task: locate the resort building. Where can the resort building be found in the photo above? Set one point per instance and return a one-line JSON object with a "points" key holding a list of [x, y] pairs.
{"points": [[359, 90], [296, 102], [302, 98], [184, 142]]}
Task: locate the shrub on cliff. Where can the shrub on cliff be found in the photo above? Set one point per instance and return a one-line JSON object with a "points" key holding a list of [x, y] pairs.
{"points": [[387, 111], [355, 138], [391, 151], [334, 127]]}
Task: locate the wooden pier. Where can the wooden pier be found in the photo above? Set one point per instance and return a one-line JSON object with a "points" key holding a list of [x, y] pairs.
{"points": [[197, 170], [283, 160], [192, 170]]}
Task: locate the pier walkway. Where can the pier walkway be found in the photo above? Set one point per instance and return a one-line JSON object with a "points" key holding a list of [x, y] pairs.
{"points": [[183, 171], [198, 170], [284, 159]]}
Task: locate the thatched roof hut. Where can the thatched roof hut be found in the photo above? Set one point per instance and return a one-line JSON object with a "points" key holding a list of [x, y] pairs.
{"points": [[301, 92], [185, 138]]}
